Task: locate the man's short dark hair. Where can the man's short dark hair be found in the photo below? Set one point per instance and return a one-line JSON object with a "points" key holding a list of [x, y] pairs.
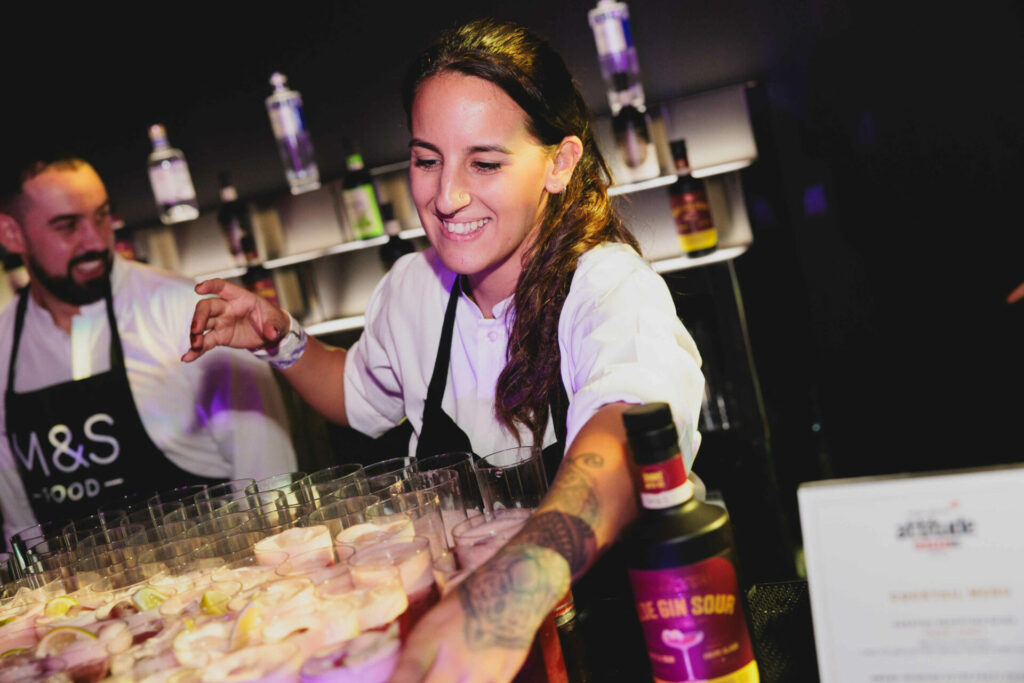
{"points": [[14, 176]]}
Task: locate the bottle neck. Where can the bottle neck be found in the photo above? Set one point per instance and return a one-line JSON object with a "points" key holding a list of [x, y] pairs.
{"points": [[664, 484], [354, 162]]}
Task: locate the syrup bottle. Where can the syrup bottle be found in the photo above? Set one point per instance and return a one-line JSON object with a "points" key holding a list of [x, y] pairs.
{"points": [[682, 565]]}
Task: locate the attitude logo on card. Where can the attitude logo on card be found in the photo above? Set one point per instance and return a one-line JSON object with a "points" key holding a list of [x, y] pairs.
{"points": [[936, 529]]}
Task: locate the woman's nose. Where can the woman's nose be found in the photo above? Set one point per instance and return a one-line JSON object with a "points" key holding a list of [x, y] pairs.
{"points": [[452, 194]]}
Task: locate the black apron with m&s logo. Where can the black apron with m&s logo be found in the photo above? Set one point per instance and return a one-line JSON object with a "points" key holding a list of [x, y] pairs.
{"points": [[80, 444]]}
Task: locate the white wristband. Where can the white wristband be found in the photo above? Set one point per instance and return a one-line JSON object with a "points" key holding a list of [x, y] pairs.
{"points": [[288, 350]]}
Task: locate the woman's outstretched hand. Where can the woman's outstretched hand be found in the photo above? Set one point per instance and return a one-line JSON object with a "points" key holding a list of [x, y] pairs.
{"points": [[234, 317], [482, 631]]}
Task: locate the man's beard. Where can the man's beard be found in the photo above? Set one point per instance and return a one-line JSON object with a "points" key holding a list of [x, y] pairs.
{"points": [[66, 289]]}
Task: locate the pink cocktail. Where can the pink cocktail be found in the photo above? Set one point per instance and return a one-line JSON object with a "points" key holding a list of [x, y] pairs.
{"points": [[415, 568], [477, 539], [367, 658], [388, 527], [293, 542]]}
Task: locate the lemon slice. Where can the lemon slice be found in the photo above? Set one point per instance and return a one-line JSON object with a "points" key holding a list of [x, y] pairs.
{"points": [[214, 603], [186, 676], [12, 652], [61, 638], [246, 626], [148, 597], [59, 606]]}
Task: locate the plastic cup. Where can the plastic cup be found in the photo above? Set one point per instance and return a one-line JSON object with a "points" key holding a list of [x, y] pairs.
{"points": [[477, 539], [512, 478], [460, 462]]}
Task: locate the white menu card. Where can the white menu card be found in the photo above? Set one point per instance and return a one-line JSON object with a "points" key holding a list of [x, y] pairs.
{"points": [[917, 577]]}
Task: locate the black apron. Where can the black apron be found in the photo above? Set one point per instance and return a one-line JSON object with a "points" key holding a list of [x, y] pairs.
{"points": [[607, 578], [440, 434], [81, 444]]}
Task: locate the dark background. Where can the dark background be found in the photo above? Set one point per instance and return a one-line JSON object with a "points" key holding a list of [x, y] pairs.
{"points": [[887, 228]]}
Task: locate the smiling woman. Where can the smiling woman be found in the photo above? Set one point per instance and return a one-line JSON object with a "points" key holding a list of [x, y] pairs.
{"points": [[479, 180], [549, 325]]}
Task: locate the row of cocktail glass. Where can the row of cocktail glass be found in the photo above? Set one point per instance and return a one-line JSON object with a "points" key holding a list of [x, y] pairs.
{"points": [[312, 566]]}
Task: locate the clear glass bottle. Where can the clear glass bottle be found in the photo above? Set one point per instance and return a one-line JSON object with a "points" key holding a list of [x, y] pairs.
{"points": [[359, 197], [284, 107], [682, 564], [609, 21], [171, 181]]}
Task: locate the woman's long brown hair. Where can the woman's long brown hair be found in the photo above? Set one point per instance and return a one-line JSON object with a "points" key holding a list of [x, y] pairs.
{"points": [[574, 221]]}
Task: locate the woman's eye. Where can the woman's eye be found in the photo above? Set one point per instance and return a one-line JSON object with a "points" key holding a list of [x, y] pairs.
{"points": [[486, 165], [425, 163]]}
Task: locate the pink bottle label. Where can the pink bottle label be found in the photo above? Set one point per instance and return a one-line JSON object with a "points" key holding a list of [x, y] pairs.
{"points": [[692, 620]]}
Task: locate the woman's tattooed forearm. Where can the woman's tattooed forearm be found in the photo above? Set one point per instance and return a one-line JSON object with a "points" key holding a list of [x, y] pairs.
{"points": [[506, 599], [567, 535], [569, 529], [573, 488]]}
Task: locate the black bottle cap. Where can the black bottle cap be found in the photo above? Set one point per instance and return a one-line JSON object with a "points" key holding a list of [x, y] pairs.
{"points": [[679, 154], [652, 433]]}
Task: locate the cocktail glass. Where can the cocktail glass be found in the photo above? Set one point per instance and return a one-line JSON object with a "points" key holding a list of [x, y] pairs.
{"points": [[367, 658], [513, 477], [678, 640], [289, 483], [445, 484], [424, 508], [398, 526], [298, 540], [477, 539], [341, 514], [413, 560], [460, 462]]}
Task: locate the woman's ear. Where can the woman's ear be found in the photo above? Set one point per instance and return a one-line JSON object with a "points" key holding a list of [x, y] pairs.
{"points": [[568, 154]]}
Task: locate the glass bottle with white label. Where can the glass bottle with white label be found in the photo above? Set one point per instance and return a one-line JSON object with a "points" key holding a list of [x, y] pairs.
{"points": [[295, 146], [172, 183], [609, 21], [631, 123]]}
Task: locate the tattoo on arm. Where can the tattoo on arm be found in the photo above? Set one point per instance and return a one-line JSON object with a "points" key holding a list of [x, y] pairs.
{"points": [[506, 599], [569, 536], [569, 531], [574, 487]]}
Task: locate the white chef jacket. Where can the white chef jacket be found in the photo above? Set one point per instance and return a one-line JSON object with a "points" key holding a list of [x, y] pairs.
{"points": [[221, 416], [619, 336]]}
